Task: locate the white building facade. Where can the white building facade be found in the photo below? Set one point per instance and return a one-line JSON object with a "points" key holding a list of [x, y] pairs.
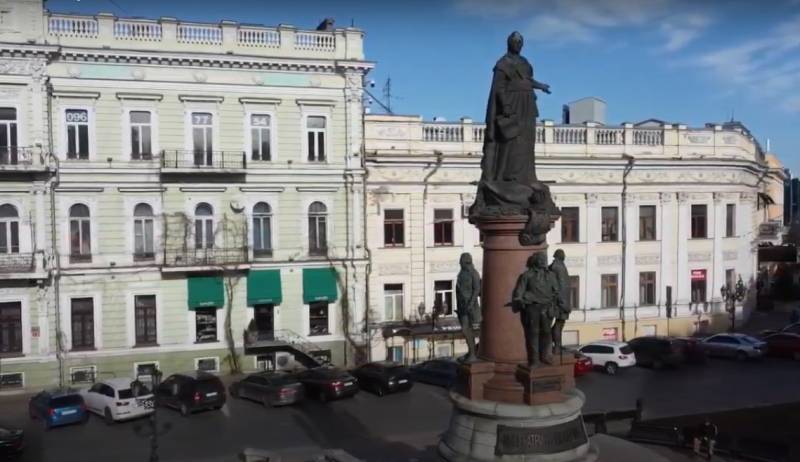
{"points": [[646, 208]]}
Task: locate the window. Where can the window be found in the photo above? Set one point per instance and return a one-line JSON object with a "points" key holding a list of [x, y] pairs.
{"points": [[12, 380], [699, 215], [608, 294], [610, 220], [80, 235], [260, 126], [393, 228], [77, 121], [262, 229], [647, 288], [83, 374], [10, 328], [9, 229], [444, 350], [393, 302], [143, 247], [203, 226], [315, 132], [318, 318], [317, 229], [574, 292], [141, 135], [202, 138], [730, 220], [82, 317], [730, 278], [8, 136], [145, 315], [395, 353], [443, 227], [647, 222], [443, 297], [206, 364], [570, 224], [205, 325], [698, 286]]}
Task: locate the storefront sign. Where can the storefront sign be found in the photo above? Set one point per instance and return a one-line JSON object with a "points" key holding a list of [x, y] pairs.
{"points": [[698, 275], [540, 440], [610, 333]]}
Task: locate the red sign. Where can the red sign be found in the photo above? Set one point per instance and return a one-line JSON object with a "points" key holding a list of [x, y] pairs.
{"points": [[610, 333], [698, 275]]}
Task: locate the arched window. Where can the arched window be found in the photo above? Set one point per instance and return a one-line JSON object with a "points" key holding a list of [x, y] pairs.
{"points": [[262, 229], [203, 226], [143, 247], [9, 229], [317, 229], [80, 235]]}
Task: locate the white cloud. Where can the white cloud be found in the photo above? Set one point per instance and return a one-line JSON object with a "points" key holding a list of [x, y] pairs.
{"points": [[680, 30], [554, 29]]}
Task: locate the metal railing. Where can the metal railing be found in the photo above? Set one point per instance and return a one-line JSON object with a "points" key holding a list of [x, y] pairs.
{"points": [[16, 262], [203, 159], [215, 256], [16, 155]]}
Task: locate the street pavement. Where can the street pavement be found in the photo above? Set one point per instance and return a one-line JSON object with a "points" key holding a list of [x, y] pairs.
{"points": [[403, 427]]}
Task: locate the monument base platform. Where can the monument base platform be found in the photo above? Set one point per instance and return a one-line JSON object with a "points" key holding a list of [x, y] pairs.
{"points": [[482, 431]]}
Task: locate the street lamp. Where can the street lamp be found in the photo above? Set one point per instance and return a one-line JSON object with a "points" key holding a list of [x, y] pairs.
{"points": [[731, 295]]}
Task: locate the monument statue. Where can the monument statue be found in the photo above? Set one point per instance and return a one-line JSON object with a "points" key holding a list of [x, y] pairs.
{"points": [[508, 184], [563, 308], [534, 298], [468, 289]]}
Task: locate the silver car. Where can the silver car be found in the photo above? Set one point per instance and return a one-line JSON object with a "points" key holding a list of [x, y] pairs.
{"points": [[738, 346]]}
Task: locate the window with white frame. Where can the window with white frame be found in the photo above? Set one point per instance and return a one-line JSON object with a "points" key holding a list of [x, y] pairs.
{"points": [[82, 374], [9, 229], [393, 302], [203, 226], [77, 124], [8, 136], [207, 364], [143, 227], [141, 126], [260, 130], [203, 138], [262, 229], [443, 297], [317, 229], [315, 138], [80, 235]]}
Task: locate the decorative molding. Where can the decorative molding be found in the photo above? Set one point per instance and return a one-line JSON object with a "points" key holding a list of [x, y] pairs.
{"points": [[203, 188], [667, 198], [76, 94], [264, 189], [316, 188], [607, 260], [259, 100], [683, 197], [592, 198], [648, 259], [394, 269], [201, 98], [574, 261], [730, 255], [443, 267], [747, 197], [315, 102], [69, 189], [699, 256], [32, 67], [390, 133], [145, 189], [139, 96]]}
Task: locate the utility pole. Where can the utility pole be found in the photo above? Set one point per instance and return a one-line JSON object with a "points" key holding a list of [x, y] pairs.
{"points": [[387, 94]]}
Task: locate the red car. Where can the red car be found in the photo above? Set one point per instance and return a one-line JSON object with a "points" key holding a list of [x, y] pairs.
{"points": [[583, 364], [784, 344]]}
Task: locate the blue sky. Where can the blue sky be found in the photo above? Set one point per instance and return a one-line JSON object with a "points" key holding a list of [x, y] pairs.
{"points": [[688, 61]]}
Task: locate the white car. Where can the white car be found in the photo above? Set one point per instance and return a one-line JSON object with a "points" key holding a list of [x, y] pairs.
{"points": [[118, 399], [609, 355]]}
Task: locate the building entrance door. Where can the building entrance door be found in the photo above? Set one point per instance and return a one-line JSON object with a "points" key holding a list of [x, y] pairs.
{"points": [[265, 321]]}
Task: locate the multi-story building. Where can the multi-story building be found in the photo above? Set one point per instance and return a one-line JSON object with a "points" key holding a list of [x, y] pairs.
{"points": [[173, 192], [647, 209]]}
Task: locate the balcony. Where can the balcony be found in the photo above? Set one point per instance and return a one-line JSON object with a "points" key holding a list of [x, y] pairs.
{"points": [[200, 259], [226, 37], [16, 263], [20, 159], [203, 162]]}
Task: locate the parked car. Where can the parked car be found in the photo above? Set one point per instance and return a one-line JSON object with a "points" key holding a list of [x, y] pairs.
{"points": [[442, 372], [383, 377], [269, 388], [793, 328], [583, 364], [58, 407], [739, 346], [190, 392], [11, 442], [693, 350], [658, 351], [119, 399], [328, 383], [609, 355], [783, 344]]}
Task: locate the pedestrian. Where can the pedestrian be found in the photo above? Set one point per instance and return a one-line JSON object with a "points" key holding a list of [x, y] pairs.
{"points": [[705, 435]]}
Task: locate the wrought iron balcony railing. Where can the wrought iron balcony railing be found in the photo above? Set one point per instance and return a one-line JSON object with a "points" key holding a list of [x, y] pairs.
{"points": [[16, 262], [203, 160], [16, 156], [205, 257]]}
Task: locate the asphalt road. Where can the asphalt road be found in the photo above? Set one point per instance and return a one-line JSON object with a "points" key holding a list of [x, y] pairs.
{"points": [[403, 427]]}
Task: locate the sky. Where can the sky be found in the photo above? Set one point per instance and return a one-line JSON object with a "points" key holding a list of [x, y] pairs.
{"points": [[681, 61]]}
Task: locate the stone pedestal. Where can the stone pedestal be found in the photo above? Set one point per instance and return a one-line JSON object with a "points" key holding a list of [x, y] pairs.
{"points": [[491, 431], [472, 377], [502, 338]]}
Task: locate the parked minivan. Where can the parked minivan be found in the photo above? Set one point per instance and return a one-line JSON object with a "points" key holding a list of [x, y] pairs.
{"points": [[192, 391], [657, 351]]}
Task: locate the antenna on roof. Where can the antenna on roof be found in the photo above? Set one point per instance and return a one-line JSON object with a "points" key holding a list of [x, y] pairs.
{"points": [[387, 93]]}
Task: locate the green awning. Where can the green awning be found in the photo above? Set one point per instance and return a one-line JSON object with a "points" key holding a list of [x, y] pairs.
{"points": [[264, 287], [205, 292], [319, 285]]}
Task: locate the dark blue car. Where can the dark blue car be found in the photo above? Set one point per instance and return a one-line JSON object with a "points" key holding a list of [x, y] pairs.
{"points": [[441, 372], [58, 407]]}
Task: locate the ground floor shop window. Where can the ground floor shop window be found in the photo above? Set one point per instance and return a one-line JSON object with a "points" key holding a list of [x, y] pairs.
{"points": [[698, 286], [206, 325], [395, 354], [10, 328], [207, 364], [318, 318]]}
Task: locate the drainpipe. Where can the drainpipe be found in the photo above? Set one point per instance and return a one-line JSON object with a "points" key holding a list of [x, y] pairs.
{"points": [[628, 168], [435, 168]]}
